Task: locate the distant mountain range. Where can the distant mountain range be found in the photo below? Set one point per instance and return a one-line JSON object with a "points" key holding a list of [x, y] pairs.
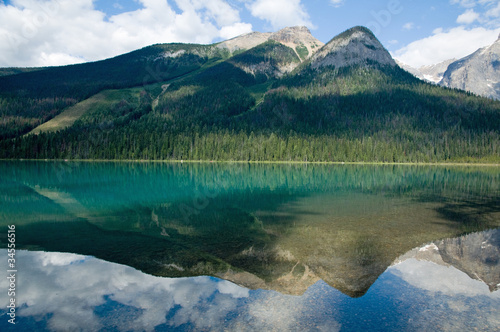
{"points": [[475, 254], [430, 73], [260, 96], [478, 72]]}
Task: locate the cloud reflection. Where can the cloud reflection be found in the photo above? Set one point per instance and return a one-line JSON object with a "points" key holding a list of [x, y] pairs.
{"points": [[70, 287], [447, 299], [67, 292], [439, 278], [70, 292]]}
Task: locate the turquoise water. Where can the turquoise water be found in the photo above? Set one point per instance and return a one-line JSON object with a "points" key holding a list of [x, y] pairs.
{"points": [[153, 246]]}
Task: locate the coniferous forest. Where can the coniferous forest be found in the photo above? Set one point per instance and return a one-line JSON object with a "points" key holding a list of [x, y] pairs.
{"points": [[201, 104]]}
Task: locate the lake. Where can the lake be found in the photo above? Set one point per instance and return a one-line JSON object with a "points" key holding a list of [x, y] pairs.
{"points": [[220, 246]]}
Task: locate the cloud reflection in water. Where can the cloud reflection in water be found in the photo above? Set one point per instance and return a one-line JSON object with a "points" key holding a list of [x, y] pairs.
{"points": [[62, 292]]}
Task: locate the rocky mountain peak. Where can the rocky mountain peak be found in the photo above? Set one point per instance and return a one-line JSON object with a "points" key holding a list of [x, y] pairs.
{"points": [[291, 34], [245, 41], [356, 46], [478, 72], [298, 38]]}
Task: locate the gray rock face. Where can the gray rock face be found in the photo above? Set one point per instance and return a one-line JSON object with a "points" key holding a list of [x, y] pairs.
{"points": [[478, 73], [293, 37], [356, 46], [297, 38], [245, 42]]}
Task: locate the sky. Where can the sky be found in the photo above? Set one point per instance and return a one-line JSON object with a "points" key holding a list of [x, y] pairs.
{"points": [[37, 33]]}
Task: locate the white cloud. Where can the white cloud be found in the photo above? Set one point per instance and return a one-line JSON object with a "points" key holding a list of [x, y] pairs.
{"points": [[236, 29], [58, 258], [443, 45], [486, 12], [56, 32], [464, 3], [280, 13], [337, 3], [468, 17], [219, 10], [494, 12], [409, 26], [473, 3]]}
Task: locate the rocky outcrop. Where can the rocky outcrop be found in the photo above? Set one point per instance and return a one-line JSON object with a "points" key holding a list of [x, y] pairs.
{"points": [[245, 42], [356, 46], [297, 38], [478, 73]]}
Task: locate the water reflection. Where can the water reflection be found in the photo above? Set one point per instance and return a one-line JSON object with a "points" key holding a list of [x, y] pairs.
{"points": [[420, 291], [275, 227], [476, 254]]}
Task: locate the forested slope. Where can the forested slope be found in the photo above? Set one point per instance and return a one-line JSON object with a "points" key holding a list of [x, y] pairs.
{"points": [[248, 108]]}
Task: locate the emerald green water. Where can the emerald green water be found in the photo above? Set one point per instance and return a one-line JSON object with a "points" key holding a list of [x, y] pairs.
{"points": [[275, 231]]}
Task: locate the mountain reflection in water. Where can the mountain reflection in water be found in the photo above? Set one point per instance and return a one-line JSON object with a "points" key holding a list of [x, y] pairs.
{"points": [[62, 292], [315, 237]]}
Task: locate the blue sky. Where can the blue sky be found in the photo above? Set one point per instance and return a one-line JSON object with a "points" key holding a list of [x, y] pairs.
{"points": [[57, 32]]}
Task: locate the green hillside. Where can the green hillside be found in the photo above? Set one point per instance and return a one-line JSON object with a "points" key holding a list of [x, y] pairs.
{"points": [[108, 101], [14, 71], [31, 98], [217, 107]]}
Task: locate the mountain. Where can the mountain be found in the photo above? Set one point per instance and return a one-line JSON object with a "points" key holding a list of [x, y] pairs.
{"points": [[13, 71], [478, 73], [30, 98], [414, 71], [434, 73], [298, 39], [356, 46], [272, 54], [430, 73], [274, 96]]}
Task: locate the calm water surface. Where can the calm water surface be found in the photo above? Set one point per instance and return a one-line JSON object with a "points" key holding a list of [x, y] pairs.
{"points": [[151, 246]]}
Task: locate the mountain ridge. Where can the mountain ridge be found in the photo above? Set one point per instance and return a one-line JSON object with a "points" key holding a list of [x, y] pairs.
{"points": [[478, 72], [355, 46], [347, 102], [293, 37]]}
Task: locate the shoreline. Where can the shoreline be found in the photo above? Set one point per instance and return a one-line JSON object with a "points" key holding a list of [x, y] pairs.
{"points": [[375, 163]]}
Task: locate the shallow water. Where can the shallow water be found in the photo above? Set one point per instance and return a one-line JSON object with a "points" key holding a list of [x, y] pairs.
{"points": [[144, 246]]}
